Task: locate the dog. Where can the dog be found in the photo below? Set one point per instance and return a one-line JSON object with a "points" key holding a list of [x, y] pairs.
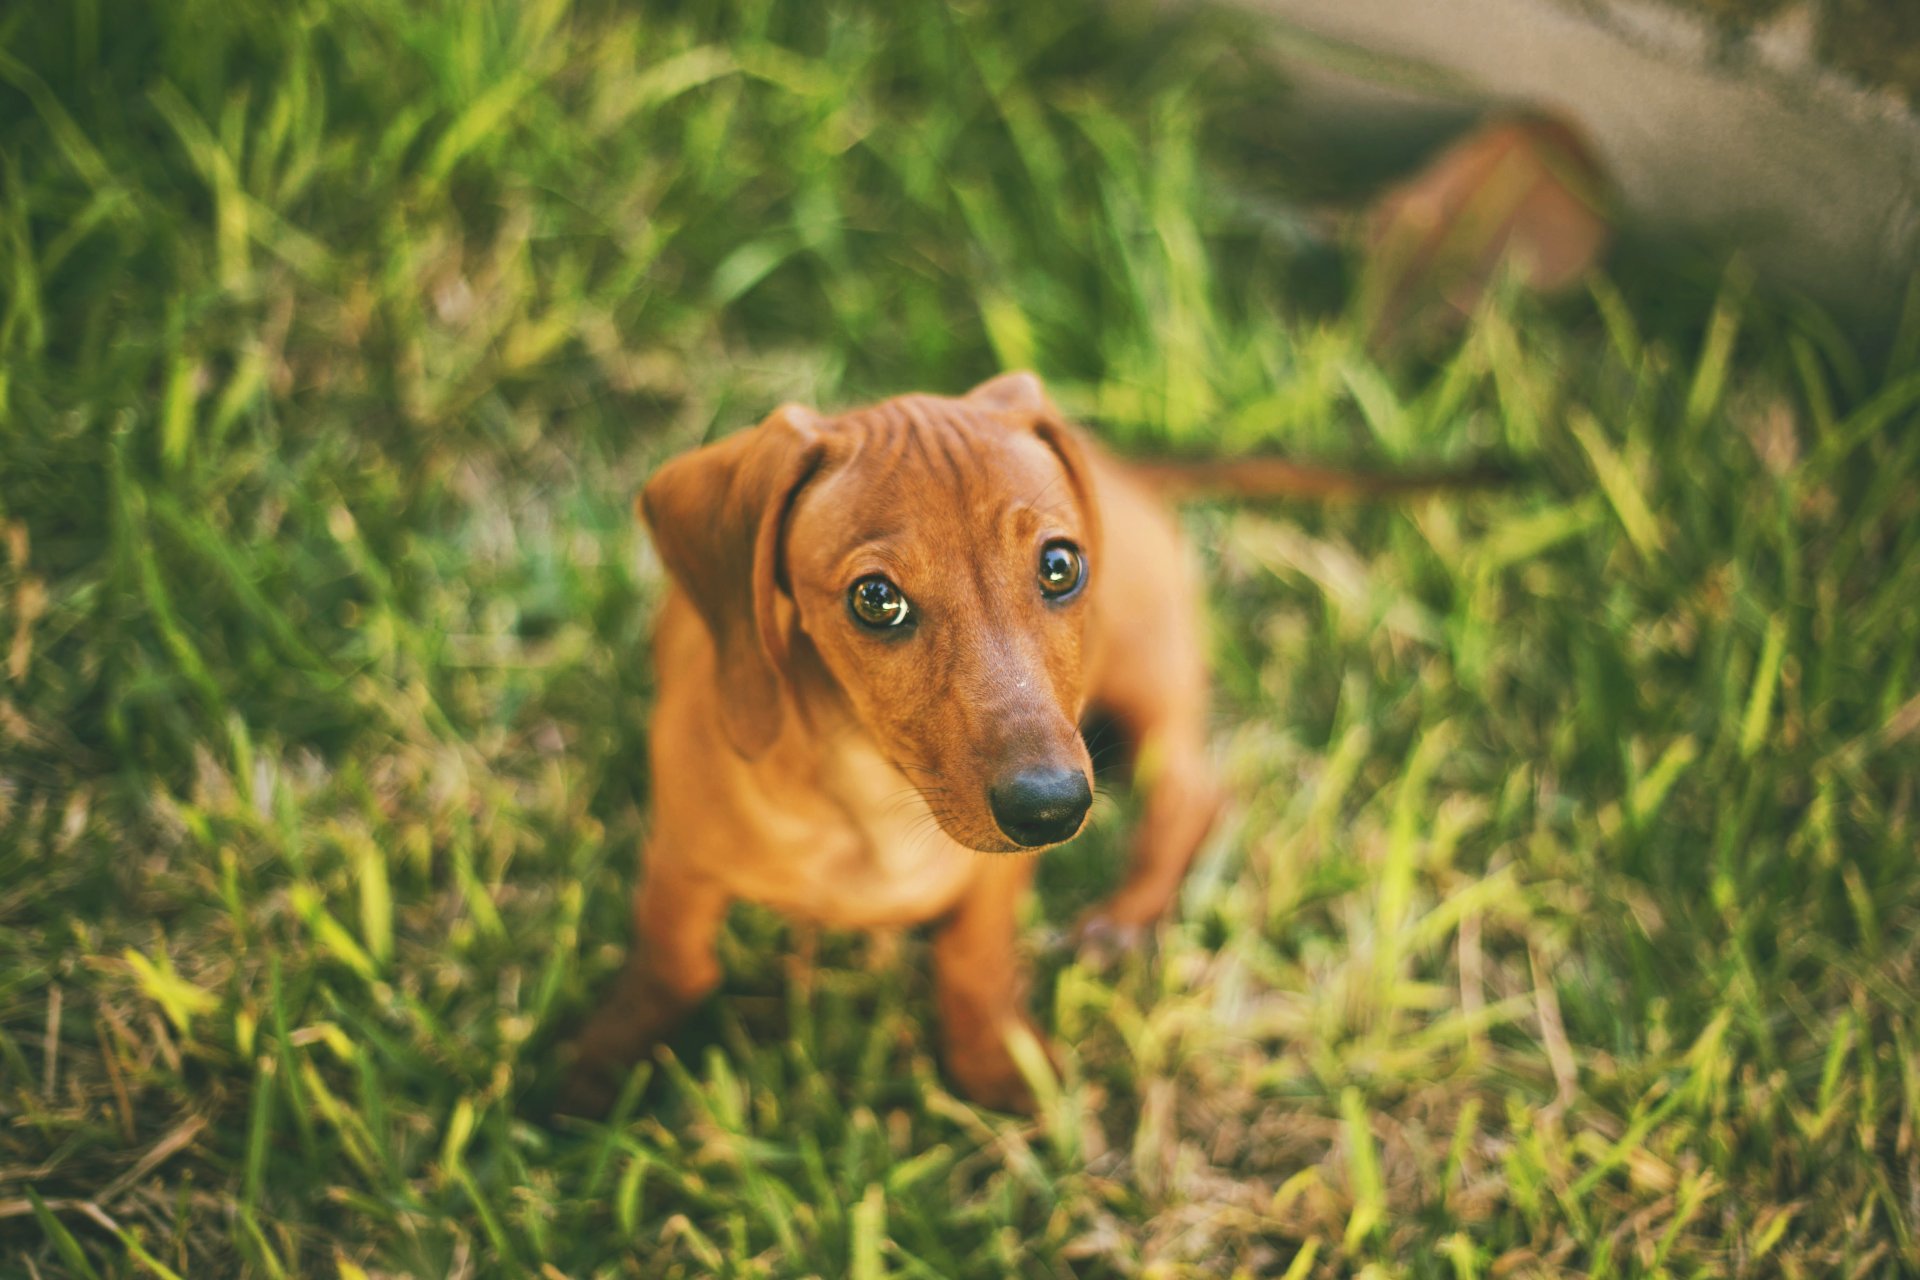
{"points": [[884, 632]]}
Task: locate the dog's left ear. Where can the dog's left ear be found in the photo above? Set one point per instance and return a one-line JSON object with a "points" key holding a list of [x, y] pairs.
{"points": [[1022, 392], [717, 515]]}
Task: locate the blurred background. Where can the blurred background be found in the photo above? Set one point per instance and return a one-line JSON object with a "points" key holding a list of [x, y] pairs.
{"points": [[1567, 920]]}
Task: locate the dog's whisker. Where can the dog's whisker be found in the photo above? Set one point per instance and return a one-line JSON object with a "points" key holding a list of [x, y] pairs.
{"points": [[900, 801], [920, 837], [1034, 500], [919, 769]]}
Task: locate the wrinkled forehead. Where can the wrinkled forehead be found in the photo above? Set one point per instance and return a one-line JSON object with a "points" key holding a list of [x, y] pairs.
{"points": [[925, 476]]}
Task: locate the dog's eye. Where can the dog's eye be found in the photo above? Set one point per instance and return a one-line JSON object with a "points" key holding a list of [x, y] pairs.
{"points": [[1061, 569], [877, 603]]}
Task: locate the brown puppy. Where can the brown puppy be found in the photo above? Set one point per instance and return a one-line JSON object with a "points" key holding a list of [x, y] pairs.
{"points": [[884, 631]]}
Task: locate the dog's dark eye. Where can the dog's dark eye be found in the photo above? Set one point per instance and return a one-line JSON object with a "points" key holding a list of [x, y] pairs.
{"points": [[877, 603], [1061, 569]]}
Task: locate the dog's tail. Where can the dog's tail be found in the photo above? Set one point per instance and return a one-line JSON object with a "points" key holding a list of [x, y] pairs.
{"points": [[1254, 478]]}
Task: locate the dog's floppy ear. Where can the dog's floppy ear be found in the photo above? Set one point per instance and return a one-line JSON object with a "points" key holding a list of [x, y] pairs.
{"points": [[1022, 392], [717, 515], [1064, 439]]}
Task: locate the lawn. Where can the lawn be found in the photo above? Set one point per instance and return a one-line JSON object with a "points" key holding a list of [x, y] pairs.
{"points": [[1567, 917]]}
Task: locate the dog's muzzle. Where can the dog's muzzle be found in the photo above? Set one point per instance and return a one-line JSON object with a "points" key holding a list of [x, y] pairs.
{"points": [[1043, 806]]}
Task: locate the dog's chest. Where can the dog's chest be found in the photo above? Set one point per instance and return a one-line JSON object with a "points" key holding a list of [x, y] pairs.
{"points": [[873, 856]]}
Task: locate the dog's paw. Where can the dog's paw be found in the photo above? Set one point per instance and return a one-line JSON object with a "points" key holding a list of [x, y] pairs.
{"points": [[590, 1082], [992, 1080], [586, 1093], [1101, 941], [987, 1073]]}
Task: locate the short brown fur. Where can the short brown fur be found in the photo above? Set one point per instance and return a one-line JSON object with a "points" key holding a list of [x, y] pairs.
{"points": [[841, 775]]}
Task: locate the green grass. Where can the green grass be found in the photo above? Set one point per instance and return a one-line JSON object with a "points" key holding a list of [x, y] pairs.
{"points": [[1568, 920]]}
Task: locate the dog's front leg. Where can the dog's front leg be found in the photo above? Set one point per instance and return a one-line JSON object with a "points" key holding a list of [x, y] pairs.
{"points": [[1181, 803], [670, 968], [980, 986]]}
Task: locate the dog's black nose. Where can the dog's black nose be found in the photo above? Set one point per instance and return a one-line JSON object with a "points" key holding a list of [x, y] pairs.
{"points": [[1040, 806]]}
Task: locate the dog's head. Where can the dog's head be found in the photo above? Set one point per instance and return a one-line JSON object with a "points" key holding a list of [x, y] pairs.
{"points": [[931, 560]]}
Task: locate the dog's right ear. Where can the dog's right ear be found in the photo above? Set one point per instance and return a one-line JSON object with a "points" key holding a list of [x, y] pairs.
{"points": [[717, 514], [1020, 390]]}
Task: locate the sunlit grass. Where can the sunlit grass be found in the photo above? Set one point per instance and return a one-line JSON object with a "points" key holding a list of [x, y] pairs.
{"points": [[1568, 916]]}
